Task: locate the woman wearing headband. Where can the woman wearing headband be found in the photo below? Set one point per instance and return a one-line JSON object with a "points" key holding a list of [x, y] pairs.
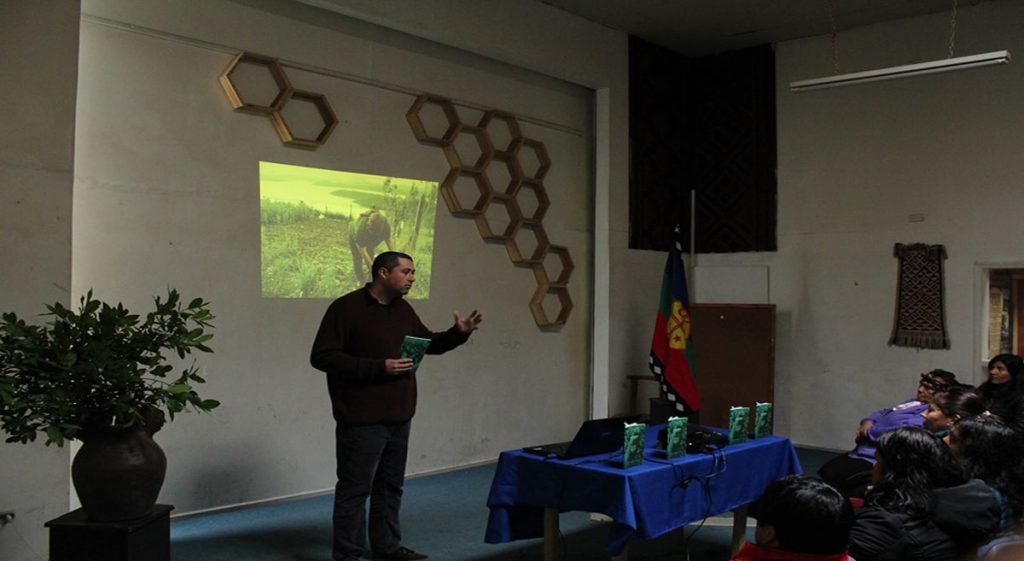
{"points": [[851, 472]]}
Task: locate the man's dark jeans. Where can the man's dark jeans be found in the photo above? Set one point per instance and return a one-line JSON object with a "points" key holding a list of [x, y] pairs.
{"points": [[371, 463]]}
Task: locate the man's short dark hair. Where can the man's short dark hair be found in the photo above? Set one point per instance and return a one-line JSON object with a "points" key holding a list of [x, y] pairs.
{"points": [[387, 260], [809, 515]]}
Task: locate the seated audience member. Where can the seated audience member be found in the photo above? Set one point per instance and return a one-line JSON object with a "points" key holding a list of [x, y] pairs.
{"points": [[1003, 393], [1006, 547], [949, 408], [851, 472], [989, 450], [1009, 544], [799, 519], [919, 506]]}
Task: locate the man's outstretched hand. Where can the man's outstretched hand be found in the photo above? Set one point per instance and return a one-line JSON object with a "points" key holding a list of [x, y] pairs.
{"points": [[469, 323]]}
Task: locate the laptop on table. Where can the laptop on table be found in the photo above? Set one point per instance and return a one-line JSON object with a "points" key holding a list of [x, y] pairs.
{"points": [[596, 436]]}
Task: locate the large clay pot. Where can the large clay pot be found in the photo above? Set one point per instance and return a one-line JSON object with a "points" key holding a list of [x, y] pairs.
{"points": [[118, 474]]}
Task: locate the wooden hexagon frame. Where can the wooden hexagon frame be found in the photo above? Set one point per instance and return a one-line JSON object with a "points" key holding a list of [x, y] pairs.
{"points": [[285, 94], [457, 161], [516, 254], [322, 106], [537, 305], [276, 72], [451, 198], [420, 130], [515, 218], [491, 118], [509, 155]]}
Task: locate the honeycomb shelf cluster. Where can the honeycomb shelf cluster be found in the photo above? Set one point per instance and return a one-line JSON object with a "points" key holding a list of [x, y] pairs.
{"points": [[493, 165], [285, 94]]}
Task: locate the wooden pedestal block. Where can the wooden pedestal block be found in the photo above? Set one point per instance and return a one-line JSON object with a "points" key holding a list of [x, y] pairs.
{"points": [[73, 538]]}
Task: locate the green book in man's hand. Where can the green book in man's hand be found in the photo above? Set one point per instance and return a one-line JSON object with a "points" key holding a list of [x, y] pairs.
{"points": [[414, 348]]}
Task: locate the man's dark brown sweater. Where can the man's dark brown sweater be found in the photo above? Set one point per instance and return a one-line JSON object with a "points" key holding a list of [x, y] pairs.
{"points": [[356, 335]]}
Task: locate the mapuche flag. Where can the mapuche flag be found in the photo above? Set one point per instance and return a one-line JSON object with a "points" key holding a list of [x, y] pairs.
{"points": [[672, 360]]}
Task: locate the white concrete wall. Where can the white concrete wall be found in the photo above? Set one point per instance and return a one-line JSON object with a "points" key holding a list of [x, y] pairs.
{"points": [[166, 194], [38, 74], [164, 198], [853, 164]]}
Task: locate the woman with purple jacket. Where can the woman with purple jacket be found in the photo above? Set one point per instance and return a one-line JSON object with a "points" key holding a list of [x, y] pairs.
{"points": [[851, 472]]}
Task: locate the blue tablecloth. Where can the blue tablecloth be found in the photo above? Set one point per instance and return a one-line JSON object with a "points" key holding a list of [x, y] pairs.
{"points": [[648, 500]]}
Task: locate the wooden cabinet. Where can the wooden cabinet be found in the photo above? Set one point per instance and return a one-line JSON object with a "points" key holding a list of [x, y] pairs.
{"points": [[734, 347]]}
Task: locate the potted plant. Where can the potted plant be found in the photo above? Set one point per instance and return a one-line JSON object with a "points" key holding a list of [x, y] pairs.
{"points": [[104, 375]]}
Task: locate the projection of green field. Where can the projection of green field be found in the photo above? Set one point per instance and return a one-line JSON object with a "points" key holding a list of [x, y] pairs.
{"points": [[320, 229]]}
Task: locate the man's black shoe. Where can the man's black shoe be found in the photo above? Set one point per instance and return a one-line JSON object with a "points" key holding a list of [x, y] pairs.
{"points": [[401, 554]]}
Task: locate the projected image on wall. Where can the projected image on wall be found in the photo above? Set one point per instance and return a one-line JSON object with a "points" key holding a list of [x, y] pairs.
{"points": [[320, 229]]}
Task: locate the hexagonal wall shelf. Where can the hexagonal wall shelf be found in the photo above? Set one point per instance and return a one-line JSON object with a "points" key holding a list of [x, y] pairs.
{"points": [[500, 218], [457, 185], [529, 244], [503, 129], [322, 107], [504, 173], [563, 269], [285, 94], [492, 165], [276, 72], [533, 159], [540, 315], [533, 200], [436, 137], [469, 150]]}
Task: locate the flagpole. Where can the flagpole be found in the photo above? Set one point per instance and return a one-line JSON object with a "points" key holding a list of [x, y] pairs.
{"points": [[693, 246]]}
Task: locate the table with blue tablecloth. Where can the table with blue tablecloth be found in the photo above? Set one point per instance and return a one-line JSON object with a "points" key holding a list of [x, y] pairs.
{"points": [[644, 501]]}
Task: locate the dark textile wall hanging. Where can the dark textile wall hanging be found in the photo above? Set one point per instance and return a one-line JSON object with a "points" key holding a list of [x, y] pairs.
{"points": [[920, 320], [706, 124]]}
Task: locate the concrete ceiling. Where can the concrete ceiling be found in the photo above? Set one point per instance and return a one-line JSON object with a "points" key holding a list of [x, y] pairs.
{"points": [[701, 27]]}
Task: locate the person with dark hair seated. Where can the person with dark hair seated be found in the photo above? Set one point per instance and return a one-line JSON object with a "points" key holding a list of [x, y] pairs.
{"points": [[799, 519], [949, 408], [989, 450], [1003, 392], [851, 472], [920, 507], [1009, 544]]}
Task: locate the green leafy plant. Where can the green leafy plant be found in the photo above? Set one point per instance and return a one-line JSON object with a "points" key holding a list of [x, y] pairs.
{"points": [[99, 368]]}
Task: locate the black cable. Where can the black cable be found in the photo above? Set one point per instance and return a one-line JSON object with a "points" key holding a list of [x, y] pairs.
{"points": [[718, 467]]}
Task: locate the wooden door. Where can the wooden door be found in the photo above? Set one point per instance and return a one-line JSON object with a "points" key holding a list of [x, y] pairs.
{"points": [[734, 348]]}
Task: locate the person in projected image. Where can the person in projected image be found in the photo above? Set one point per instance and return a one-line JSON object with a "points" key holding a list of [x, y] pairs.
{"points": [[373, 398], [364, 235]]}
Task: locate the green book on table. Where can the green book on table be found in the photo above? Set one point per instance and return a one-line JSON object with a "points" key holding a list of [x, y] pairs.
{"points": [[633, 445], [739, 424], [414, 348], [762, 420], [676, 436]]}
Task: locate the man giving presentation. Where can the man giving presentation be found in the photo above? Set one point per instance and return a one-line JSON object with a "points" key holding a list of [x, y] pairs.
{"points": [[373, 397]]}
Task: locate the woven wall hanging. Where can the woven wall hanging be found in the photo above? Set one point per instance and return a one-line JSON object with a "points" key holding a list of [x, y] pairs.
{"points": [[920, 320]]}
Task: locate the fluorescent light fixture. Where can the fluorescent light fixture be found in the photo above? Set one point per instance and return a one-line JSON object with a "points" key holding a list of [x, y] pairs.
{"points": [[946, 65]]}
